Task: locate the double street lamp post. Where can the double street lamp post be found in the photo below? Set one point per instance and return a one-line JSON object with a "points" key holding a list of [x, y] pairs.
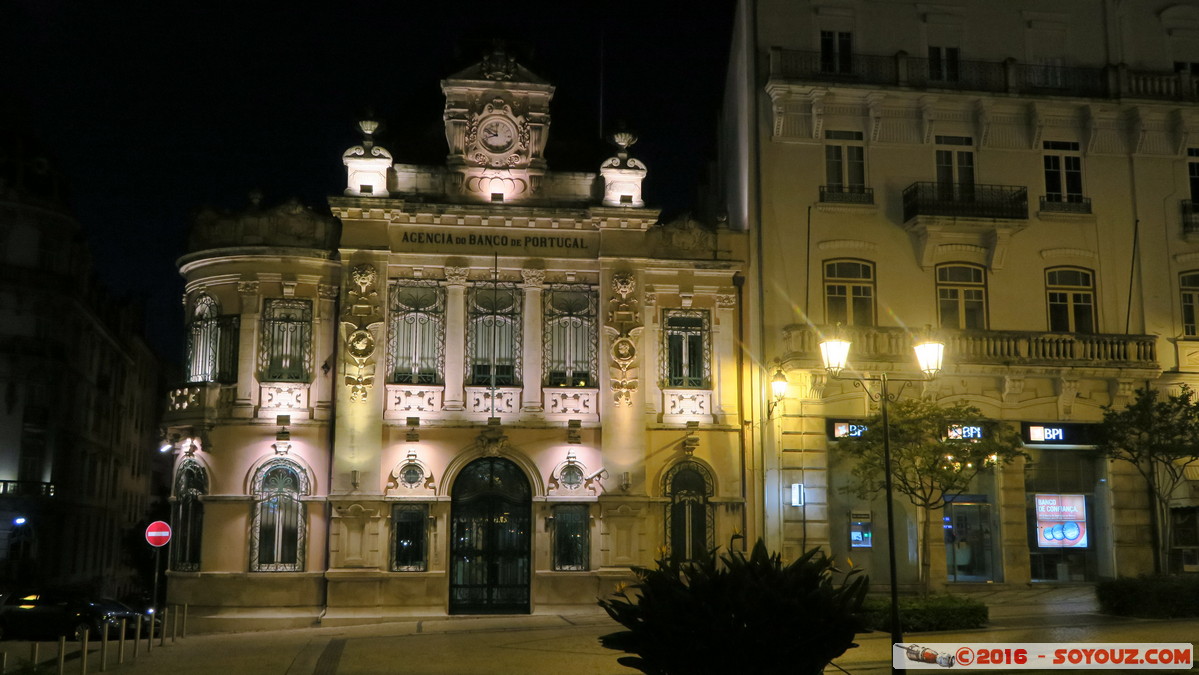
{"points": [[834, 351]]}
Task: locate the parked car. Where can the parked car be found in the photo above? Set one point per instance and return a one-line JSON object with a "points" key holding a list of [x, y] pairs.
{"points": [[48, 615]]}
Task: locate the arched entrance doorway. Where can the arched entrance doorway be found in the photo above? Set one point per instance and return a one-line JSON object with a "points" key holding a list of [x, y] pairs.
{"points": [[490, 517]]}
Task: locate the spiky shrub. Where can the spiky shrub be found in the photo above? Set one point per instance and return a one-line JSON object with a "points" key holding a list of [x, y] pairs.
{"points": [[729, 613]]}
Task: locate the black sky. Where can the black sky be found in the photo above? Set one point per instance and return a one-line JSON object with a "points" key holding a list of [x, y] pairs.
{"points": [[151, 110]]}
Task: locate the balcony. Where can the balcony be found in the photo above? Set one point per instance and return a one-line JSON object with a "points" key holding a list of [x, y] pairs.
{"points": [[846, 194], [1065, 204], [1007, 77], [196, 401], [965, 200], [989, 347]]}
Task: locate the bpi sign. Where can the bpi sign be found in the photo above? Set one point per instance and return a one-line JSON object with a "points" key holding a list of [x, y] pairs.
{"points": [[158, 534]]}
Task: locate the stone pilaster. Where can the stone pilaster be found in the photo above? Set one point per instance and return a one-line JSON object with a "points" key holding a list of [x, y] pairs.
{"points": [[455, 337], [532, 340], [247, 375]]}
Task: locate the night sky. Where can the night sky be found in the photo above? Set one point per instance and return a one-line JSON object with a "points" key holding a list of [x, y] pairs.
{"points": [[152, 110]]}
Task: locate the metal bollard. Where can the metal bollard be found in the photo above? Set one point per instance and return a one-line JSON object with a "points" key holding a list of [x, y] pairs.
{"points": [[162, 630], [83, 652], [121, 645], [33, 646], [137, 637], [104, 648], [184, 620], [3, 663], [150, 635], [174, 625], [62, 653]]}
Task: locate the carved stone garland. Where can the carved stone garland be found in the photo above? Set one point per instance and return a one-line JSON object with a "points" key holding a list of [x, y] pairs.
{"points": [[359, 321], [623, 328]]}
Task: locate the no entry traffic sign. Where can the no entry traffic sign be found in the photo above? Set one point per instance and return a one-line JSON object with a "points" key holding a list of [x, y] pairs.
{"points": [[158, 534]]}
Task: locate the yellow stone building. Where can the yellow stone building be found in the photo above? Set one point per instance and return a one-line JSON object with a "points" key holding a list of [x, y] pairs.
{"points": [[1022, 177], [480, 387]]}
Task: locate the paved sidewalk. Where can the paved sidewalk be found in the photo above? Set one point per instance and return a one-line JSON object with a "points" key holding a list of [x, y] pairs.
{"points": [[554, 644]]}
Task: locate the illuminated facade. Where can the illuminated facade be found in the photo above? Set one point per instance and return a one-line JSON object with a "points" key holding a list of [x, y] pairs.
{"points": [[482, 387], [79, 388], [1021, 177]]}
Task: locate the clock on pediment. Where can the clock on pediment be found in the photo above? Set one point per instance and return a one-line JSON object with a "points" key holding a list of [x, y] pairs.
{"points": [[496, 123], [496, 137]]}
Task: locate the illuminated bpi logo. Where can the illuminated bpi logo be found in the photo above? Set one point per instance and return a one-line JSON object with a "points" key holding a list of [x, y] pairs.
{"points": [[848, 430], [964, 432], [1060, 433], [1039, 434]]}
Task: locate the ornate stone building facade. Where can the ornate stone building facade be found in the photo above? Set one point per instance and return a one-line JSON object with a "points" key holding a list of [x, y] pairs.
{"points": [[479, 387], [79, 391], [1021, 177]]}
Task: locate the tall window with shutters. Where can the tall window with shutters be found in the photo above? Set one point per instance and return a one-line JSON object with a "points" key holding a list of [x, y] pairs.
{"points": [[1070, 295], [849, 292], [962, 296], [686, 347]]}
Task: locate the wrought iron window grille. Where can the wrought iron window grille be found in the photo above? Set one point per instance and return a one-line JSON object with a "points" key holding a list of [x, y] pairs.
{"points": [[286, 349], [569, 344], [279, 531], [416, 341], [493, 336], [410, 536]]}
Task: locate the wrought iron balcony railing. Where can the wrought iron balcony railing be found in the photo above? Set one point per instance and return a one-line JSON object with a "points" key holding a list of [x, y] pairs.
{"points": [[1008, 76], [965, 200], [990, 347], [1066, 204], [847, 194], [1190, 217]]}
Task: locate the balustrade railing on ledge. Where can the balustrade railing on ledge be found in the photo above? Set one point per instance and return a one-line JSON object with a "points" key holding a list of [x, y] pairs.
{"points": [[988, 347], [1008, 76]]}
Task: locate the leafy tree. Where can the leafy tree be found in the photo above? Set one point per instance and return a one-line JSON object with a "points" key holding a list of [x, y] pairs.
{"points": [[1160, 437], [927, 466]]}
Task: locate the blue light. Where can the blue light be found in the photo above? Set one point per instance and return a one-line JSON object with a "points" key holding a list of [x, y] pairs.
{"points": [[18, 521]]}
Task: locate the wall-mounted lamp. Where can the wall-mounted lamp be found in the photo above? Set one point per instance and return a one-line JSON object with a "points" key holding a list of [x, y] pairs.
{"points": [[797, 494], [691, 440], [572, 431], [778, 390], [177, 441], [413, 425], [626, 481], [282, 444], [283, 421], [354, 478]]}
